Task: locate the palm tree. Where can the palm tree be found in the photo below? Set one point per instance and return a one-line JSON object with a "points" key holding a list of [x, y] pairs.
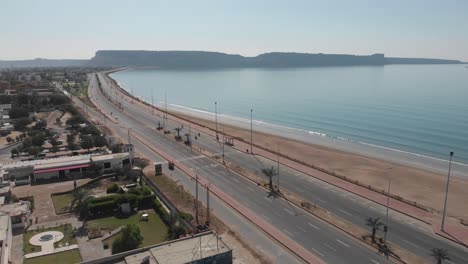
{"points": [[440, 254], [375, 223], [270, 172], [178, 129]]}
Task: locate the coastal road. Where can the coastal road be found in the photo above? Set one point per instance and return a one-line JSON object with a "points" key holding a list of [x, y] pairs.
{"points": [[407, 232], [329, 244]]}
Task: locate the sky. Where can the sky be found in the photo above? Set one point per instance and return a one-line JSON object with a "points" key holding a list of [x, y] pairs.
{"points": [[58, 29]]}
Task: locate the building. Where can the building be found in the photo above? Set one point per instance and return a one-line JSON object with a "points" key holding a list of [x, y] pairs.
{"points": [[25, 172], [203, 248], [112, 161], [6, 237], [19, 212]]}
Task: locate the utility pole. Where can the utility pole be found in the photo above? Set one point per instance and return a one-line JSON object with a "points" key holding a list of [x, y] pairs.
{"points": [[165, 116], [216, 119], [196, 199], [224, 140], [386, 216], [446, 190], [128, 133], [251, 127], [208, 203], [152, 103], [190, 137], [278, 169]]}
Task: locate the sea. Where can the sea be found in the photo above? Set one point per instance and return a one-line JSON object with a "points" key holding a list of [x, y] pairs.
{"points": [[419, 110]]}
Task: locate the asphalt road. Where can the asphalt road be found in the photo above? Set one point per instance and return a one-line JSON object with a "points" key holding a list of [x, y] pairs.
{"points": [[408, 233], [331, 245]]}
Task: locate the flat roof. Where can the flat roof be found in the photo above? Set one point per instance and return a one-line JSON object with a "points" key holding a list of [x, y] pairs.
{"points": [[62, 168], [110, 156], [62, 162], [4, 219], [189, 249]]}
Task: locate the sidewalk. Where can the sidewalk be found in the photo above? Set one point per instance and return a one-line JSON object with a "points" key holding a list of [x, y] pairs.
{"points": [[453, 230]]}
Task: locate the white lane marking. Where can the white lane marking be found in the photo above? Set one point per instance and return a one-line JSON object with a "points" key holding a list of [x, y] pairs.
{"points": [[288, 211], [420, 228], [372, 208], [300, 228], [288, 232], [250, 188], [323, 201], [343, 243], [374, 261], [269, 220], [328, 246], [235, 179], [316, 251], [313, 226], [345, 212], [410, 243], [276, 213], [450, 261], [267, 199]]}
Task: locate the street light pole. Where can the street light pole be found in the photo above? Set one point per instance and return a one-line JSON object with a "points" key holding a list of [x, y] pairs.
{"points": [[251, 127], [446, 190], [386, 216], [278, 169], [216, 119], [224, 140], [128, 134]]}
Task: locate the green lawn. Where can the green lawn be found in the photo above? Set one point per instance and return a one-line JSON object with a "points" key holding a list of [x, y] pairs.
{"points": [[66, 257], [67, 231], [62, 202], [154, 230]]}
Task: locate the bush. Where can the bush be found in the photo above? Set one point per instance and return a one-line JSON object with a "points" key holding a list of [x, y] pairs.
{"points": [[103, 208], [130, 239], [186, 216], [113, 188], [21, 123], [159, 209], [145, 201]]}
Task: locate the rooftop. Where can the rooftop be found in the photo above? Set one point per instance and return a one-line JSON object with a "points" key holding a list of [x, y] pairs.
{"points": [[17, 208], [110, 156]]}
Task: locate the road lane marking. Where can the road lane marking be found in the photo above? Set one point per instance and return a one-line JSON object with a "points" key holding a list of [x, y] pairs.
{"points": [[374, 261], [321, 200], [343, 243], [410, 243], [267, 199], [288, 211], [313, 226], [420, 228], [328, 246], [269, 220], [276, 213], [235, 179], [345, 212], [288, 232], [300, 228], [316, 251], [250, 188]]}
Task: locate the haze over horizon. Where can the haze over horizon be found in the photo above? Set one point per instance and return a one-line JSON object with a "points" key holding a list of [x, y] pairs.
{"points": [[76, 30]]}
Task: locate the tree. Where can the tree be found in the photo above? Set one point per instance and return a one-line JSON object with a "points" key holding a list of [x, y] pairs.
{"points": [[440, 254], [270, 172], [178, 129], [130, 239], [99, 141], [54, 144], [18, 112], [38, 139], [41, 124], [9, 139], [87, 142], [14, 152], [79, 195], [21, 123], [82, 211], [33, 151], [375, 224]]}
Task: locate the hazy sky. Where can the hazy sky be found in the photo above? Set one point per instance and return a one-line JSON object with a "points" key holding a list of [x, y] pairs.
{"points": [[76, 29]]}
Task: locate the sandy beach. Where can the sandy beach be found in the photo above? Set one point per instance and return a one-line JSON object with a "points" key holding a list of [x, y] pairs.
{"points": [[418, 179], [414, 184]]}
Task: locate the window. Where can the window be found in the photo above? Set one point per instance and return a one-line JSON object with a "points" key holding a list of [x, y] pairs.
{"points": [[107, 165]]}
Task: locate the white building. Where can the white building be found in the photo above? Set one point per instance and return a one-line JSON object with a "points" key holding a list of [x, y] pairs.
{"points": [[6, 238]]}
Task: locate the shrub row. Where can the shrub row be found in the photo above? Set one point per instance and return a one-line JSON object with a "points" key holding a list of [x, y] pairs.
{"points": [[159, 209], [107, 204]]}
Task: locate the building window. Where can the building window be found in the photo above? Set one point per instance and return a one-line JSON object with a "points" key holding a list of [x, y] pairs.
{"points": [[107, 165]]}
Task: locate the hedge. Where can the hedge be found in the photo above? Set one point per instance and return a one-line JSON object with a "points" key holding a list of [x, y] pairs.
{"points": [[159, 209]]}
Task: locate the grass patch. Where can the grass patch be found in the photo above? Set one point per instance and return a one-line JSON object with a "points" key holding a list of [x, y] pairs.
{"points": [[67, 231], [62, 202], [154, 230], [66, 257]]}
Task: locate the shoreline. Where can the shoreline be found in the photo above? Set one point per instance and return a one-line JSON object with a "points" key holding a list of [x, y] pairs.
{"points": [[423, 186]]}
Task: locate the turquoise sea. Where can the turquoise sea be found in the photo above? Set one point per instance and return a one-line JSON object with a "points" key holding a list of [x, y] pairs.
{"points": [[421, 109]]}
